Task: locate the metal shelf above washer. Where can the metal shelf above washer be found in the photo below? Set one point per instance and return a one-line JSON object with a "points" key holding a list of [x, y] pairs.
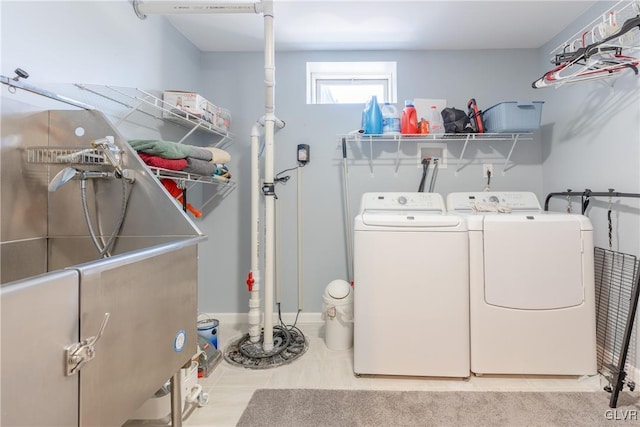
{"points": [[441, 137]]}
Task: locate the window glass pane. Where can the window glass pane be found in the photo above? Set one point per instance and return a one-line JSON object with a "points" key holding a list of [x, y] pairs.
{"points": [[350, 82], [336, 92]]}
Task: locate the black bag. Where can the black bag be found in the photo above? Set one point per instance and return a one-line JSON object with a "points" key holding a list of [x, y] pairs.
{"points": [[456, 121]]}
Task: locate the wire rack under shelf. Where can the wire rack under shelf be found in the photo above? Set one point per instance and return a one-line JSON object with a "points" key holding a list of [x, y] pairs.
{"points": [[161, 173], [66, 156], [440, 137]]}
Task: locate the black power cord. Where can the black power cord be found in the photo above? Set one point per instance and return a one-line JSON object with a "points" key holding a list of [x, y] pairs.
{"points": [[284, 179]]}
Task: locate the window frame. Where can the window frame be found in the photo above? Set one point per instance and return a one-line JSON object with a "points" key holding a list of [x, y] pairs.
{"points": [[321, 74]]}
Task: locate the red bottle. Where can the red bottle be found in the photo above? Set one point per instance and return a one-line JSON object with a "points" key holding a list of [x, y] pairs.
{"points": [[409, 122]]}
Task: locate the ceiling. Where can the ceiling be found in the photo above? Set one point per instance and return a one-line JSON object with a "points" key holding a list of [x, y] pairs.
{"points": [[385, 25]]}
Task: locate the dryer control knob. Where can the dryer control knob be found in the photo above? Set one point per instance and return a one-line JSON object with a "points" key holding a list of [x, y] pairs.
{"points": [[402, 200]]}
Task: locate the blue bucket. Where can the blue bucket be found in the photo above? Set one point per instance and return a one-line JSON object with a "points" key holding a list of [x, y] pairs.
{"points": [[208, 329]]}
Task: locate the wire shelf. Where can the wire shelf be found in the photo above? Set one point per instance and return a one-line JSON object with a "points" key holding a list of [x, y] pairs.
{"points": [[161, 173], [441, 137], [216, 120], [438, 137], [601, 50], [66, 156], [605, 24]]}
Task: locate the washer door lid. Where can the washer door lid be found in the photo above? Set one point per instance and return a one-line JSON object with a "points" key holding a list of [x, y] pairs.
{"points": [[533, 262]]}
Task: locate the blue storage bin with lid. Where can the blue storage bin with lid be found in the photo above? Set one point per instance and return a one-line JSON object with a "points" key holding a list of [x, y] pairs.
{"points": [[513, 116]]}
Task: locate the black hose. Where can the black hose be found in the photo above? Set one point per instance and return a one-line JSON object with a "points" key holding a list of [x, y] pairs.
{"points": [[434, 174], [425, 168]]}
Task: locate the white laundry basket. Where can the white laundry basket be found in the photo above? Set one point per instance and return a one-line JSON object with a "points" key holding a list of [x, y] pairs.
{"points": [[337, 311]]}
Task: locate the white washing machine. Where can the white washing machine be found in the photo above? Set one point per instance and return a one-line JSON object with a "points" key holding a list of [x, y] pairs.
{"points": [[532, 299], [411, 287]]}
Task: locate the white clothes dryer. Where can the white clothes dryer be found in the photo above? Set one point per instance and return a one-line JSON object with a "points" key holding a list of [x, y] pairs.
{"points": [[532, 298], [411, 287]]}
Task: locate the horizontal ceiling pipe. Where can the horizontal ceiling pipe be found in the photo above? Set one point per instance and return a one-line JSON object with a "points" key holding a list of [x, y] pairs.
{"points": [[174, 8]]}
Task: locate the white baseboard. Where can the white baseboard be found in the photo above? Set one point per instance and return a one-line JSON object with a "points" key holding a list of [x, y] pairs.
{"points": [[287, 318]]}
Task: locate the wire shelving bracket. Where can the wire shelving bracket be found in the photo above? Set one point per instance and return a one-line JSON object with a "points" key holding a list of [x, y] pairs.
{"points": [[467, 138]]}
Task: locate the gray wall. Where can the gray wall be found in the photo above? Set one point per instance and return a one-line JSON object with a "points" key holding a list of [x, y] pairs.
{"points": [[100, 42], [235, 80], [591, 138]]}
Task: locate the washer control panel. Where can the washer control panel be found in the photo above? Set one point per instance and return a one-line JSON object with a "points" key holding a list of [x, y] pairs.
{"points": [[403, 201], [516, 200]]}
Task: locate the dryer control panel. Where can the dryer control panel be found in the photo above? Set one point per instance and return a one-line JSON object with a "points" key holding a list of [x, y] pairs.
{"points": [[432, 202], [515, 200]]}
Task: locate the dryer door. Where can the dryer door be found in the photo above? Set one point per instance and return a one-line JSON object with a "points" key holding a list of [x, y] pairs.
{"points": [[533, 261]]}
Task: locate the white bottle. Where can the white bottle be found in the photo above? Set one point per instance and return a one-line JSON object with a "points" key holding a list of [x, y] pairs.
{"points": [[435, 120], [390, 119]]}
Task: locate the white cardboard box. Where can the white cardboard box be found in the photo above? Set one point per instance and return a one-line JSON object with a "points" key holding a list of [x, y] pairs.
{"points": [[184, 103], [434, 115], [194, 106]]}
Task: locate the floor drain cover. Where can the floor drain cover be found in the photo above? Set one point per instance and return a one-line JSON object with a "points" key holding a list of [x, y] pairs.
{"points": [[288, 345]]}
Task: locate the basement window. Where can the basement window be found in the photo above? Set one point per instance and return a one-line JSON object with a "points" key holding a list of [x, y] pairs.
{"points": [[350, 82]]}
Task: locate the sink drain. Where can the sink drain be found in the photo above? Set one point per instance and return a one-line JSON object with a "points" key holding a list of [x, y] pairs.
{"points": [[288, 345]]}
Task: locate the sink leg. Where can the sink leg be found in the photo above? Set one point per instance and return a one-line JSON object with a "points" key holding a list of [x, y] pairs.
{"points": [[176, 400]]}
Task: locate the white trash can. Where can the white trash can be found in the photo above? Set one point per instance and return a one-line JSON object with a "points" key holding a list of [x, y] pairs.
{"points": [[337, 311]]}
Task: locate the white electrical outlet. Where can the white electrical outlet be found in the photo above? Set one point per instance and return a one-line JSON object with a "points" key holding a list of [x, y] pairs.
{"points": [[487, 167]]}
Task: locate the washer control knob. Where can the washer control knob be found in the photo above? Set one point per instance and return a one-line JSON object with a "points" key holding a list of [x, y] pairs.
{"points": [[402, 200], [494, 199]]}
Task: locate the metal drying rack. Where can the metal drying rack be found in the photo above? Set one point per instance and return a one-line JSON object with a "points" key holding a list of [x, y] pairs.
{"points": [[66, 155], [618, 373]]}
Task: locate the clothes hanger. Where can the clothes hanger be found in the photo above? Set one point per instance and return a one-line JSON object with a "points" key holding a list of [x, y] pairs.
{"points": [[600, 59], [597, 67]]}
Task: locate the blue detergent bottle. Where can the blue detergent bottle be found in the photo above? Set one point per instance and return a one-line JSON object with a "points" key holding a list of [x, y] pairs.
{"points": [[372, 117]]}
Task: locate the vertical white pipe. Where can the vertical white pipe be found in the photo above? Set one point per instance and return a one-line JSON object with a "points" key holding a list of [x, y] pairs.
{"points": [[254, 300], [269, 259], [254, 294], [255, 197], [299, 180], [277, 266]]}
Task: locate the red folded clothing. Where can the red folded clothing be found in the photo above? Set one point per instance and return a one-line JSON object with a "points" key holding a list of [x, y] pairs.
{"points": [[161, 162]]}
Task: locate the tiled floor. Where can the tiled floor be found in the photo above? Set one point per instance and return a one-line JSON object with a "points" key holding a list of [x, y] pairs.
{"points": [[230, 387]]}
